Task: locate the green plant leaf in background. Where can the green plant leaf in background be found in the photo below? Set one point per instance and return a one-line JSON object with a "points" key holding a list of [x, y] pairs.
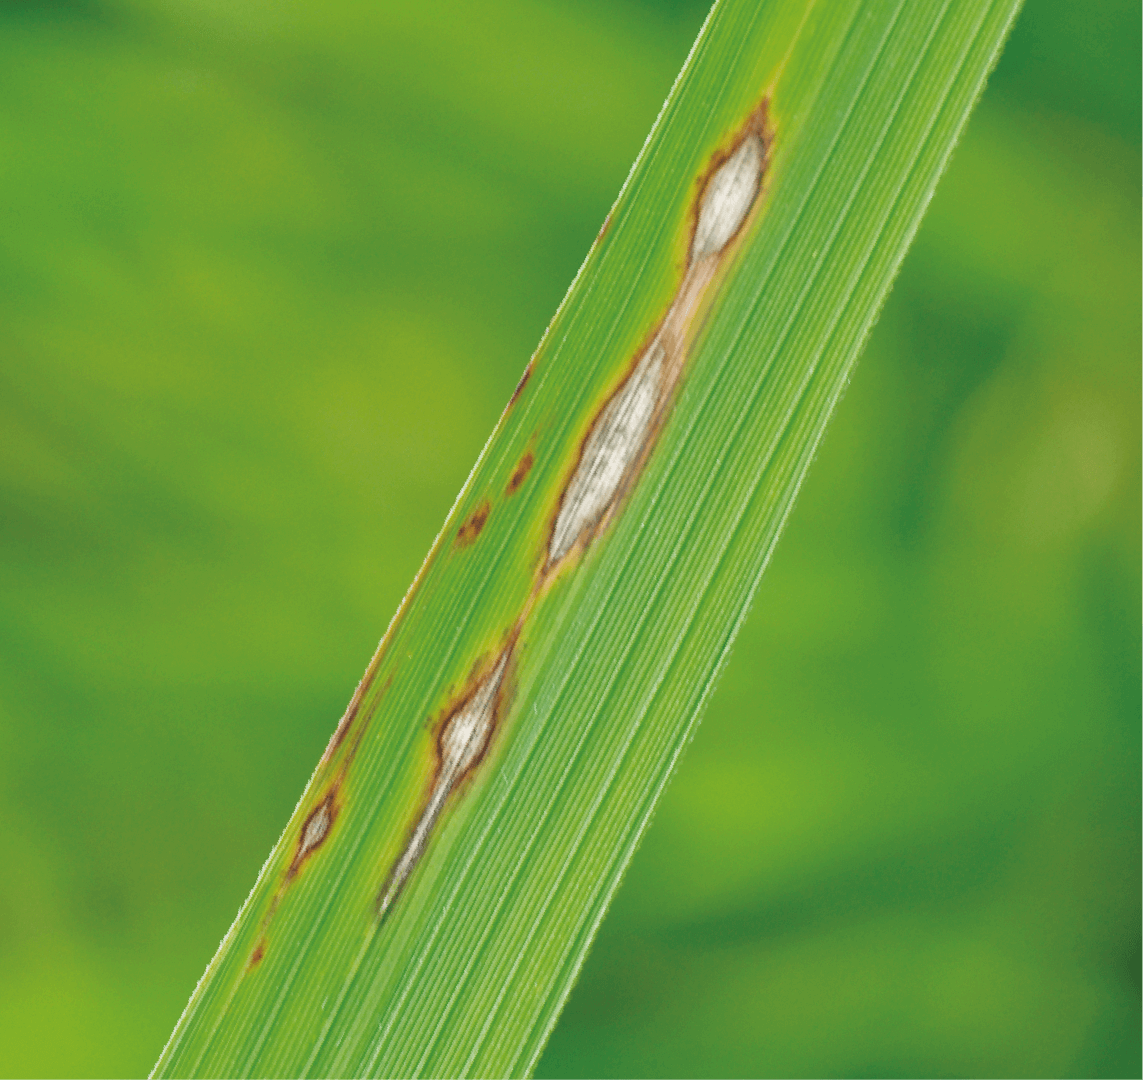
{"points": [[427, 909], [269, 275]]}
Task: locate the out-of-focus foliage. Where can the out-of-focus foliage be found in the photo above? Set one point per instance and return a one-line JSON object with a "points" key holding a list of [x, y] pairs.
{"points": [[268, 274]]}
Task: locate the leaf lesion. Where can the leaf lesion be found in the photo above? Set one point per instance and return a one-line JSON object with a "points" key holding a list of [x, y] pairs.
{"points": [[619, 439], [612, 454]]}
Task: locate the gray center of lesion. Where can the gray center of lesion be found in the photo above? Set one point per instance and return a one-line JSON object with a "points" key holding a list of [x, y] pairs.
{"points": [[727, 199], [315, 830], [614, 445]]}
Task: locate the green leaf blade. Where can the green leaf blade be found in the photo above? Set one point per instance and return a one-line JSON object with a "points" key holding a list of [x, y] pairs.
{"points": [[468, 971]]}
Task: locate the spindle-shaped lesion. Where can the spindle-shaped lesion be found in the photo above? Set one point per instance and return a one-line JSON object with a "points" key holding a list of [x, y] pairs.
{"points": [[616, 446], [461, 743], [613, 452]]}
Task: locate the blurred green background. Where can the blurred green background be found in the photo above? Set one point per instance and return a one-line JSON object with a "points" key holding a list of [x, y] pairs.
{"points": [[269, 272]]}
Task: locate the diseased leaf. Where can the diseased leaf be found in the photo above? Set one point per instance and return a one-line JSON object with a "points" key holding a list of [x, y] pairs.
{"points": [[429, 904]]}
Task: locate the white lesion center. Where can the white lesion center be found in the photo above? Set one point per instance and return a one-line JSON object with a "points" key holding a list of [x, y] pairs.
{"points": [[315, 830], [463, 740], [616, 445], [727, 198]]}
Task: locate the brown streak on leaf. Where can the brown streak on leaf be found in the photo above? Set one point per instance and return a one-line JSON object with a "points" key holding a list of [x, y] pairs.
{"points": [[521, 384], [366, 682], [523, 467], [350, 716], [346, 722], [470, 530]]}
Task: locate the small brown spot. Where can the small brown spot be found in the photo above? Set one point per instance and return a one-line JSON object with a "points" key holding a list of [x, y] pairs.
{"points": [[522, 383], [604, 227], [470, 530], [346, 722], [256, 955], [523, 467]]}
